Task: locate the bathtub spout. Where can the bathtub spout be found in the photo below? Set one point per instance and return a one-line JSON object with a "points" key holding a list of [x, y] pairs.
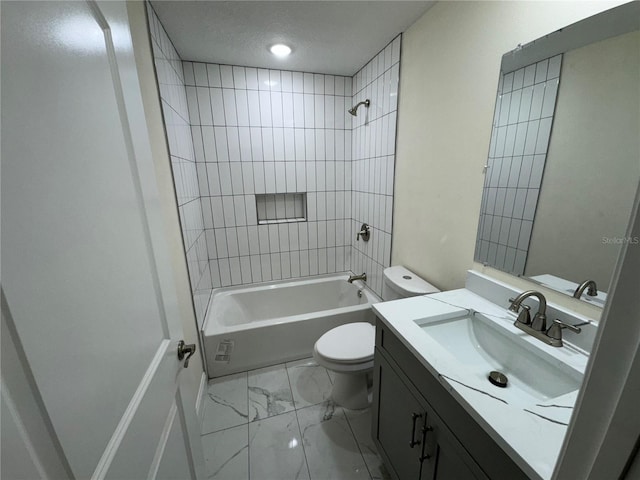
{"points": [[362, 277]]}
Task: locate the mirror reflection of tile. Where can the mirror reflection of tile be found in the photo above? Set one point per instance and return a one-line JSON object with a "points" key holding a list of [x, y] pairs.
{"points": [[524, 111]]}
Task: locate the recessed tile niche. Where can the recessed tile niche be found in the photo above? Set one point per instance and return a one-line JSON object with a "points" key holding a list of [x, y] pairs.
{"points": [[281, 208]]}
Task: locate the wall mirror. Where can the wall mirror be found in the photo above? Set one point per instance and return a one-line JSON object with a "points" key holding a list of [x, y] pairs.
{"points": [[564, 160]]}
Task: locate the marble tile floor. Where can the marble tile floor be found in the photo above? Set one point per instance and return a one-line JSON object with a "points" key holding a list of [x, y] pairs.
{"points": [[278, 423]]}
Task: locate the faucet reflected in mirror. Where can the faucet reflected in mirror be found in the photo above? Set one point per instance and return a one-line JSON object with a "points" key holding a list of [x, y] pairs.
{"points": [[589, 286]]}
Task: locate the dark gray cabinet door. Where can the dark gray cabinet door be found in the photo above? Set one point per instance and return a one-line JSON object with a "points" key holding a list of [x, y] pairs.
{"points": [[400, 418], [457, 447], [415, 441], [447, 459]]}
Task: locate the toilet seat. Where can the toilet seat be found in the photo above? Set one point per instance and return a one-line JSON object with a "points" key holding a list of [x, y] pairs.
{"points": [[347, 351], [348, 347]]}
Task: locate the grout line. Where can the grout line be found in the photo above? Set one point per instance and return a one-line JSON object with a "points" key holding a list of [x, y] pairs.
{"points": [[165, 100], [264, 169], [357, 443], [253, 176], [248, 435], [233, 206], [295, 409], [224, 429], [267, 90]]}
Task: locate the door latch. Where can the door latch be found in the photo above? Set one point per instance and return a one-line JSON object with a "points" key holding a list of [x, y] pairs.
{"points": [[187, 350]]}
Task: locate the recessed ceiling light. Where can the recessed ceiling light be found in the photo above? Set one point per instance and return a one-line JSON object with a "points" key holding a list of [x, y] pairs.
{"points": [[280, 50]]}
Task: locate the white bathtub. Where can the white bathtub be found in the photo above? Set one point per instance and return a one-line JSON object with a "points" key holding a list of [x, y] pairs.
{"points": [[264, 324]]}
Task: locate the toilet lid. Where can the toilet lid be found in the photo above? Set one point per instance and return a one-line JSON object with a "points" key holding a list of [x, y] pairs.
{"points": [[349, 343]]}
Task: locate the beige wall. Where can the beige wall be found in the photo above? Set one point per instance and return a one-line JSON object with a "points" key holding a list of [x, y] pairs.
{"points": [[448, 81], [151, 100], [593, 165]]}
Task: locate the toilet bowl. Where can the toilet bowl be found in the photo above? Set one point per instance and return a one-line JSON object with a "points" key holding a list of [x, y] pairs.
{"points": [[347, 350]]}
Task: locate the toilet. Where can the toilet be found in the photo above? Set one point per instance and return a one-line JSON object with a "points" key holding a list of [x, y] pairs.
{"points": [[347, 350]]}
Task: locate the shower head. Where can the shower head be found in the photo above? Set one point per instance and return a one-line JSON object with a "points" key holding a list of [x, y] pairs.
{"points": [[354, 110]]}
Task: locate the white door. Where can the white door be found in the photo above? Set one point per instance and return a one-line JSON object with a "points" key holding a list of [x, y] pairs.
{"points": [[85, 268]]}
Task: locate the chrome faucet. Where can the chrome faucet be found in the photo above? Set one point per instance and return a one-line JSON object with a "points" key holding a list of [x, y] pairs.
{"points": [[589, 286], [538, 326], [539, 322], [362, 277]]}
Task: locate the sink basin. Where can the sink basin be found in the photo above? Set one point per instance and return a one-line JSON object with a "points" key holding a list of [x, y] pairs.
{"points": [[479, 346]]}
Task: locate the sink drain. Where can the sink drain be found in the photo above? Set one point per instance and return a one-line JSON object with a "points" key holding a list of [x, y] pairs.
{"points": [[498, 379]]}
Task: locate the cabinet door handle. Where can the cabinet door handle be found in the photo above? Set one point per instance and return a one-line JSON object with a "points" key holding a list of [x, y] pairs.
{"points": [[414, 442], [425, 456]]}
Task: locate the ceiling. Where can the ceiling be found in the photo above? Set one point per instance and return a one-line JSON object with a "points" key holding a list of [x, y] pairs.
{"points": [[334, 37]]}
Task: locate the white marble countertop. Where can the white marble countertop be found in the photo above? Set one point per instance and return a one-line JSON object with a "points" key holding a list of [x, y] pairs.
{"points": [[531, 435]]}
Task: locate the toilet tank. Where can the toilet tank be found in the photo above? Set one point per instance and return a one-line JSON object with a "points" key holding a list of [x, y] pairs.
{"points": [[402, 283]]}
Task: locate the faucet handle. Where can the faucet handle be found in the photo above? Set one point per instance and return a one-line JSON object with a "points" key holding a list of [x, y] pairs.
{"points": [[555, 331], [525, 316], [559, 324], [513, 307], [364, 233]]}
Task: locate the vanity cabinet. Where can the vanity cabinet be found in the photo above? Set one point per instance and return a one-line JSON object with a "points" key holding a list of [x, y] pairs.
{"points": [[421, 431], [417, 443]]}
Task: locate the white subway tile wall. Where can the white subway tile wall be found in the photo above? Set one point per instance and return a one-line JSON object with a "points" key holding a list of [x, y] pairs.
{"points": [[259, 131], [373, 161], [176, 117], [522, 123]]}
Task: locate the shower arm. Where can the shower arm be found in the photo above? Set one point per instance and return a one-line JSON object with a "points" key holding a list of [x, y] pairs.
{"points": [[354, 110]]}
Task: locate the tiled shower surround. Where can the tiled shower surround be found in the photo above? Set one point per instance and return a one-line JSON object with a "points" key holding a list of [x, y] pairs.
{"points": [[176, 118], [261, 131], [258, 131], [373, 161]]}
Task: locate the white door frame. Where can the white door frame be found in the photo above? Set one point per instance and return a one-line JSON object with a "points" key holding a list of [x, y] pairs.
{"points": [[21, 397], [602, 437]]}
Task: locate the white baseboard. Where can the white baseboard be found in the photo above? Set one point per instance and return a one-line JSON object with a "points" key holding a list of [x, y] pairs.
{"points": [[202, 391]]}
